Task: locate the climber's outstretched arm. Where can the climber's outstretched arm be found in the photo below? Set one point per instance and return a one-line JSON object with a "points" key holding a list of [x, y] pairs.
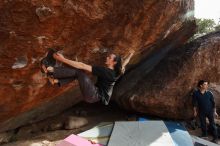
{"points": [[127, 59], [76, 64]]}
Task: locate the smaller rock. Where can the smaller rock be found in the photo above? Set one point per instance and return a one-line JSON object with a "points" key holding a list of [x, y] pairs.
{"points": [[6, 137], [75, 122], [47, 143], [56, 126]]}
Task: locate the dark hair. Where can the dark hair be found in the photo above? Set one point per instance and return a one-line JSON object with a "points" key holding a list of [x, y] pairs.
{"points": [[201, 82], [49, 60], [118, 65]]}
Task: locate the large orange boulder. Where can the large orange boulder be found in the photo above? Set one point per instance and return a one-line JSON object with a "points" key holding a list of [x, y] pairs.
{"points": [[86, 30]]}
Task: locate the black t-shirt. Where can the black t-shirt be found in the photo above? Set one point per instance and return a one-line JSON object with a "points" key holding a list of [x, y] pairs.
{"points": [[106, 78], [205, 102]]}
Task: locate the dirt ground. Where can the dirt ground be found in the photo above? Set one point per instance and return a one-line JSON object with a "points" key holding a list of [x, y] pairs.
{"points": [[50, 131]]}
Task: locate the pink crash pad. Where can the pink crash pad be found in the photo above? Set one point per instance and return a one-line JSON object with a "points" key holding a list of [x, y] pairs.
{"points": [[74, 140]]}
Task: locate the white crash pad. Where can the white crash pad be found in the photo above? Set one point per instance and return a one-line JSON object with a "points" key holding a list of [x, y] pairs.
{"points": [[145, 133]]}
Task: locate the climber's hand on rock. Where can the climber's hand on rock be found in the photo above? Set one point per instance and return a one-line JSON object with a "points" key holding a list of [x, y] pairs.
{"points": [[58, 56]]}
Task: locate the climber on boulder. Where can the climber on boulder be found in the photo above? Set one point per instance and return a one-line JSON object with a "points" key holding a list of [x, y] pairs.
{"points": [[106, 76]]}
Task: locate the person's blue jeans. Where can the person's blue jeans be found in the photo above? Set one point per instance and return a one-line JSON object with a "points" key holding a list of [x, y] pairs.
{"points": [[210, 116]]}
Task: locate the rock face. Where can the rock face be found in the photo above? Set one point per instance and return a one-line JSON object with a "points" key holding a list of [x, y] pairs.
{"points": [[166, 90], [87, 30]]}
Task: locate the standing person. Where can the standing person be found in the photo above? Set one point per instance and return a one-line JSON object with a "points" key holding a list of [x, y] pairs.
{"points": [[204, 105], [106, 76]]}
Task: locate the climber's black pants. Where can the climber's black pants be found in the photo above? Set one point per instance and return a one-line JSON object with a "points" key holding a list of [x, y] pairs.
{"points": [[68, 74]]}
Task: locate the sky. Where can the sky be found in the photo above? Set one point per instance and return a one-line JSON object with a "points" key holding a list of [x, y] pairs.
{"points": [[209, 9]]}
